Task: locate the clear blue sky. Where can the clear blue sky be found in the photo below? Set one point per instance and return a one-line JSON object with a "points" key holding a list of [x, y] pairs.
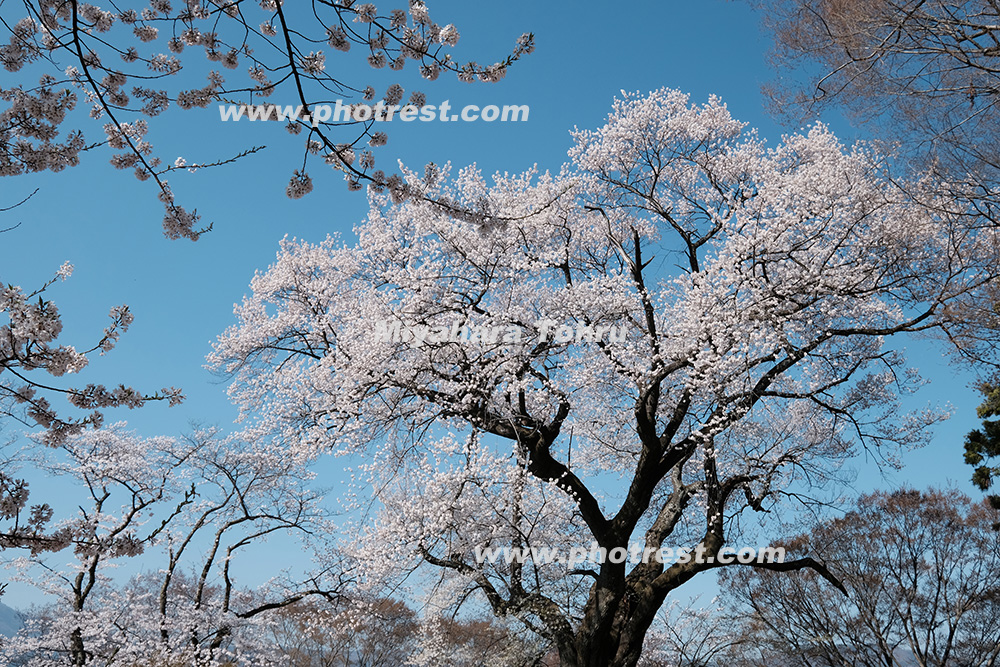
{"points": [[182, 293]]}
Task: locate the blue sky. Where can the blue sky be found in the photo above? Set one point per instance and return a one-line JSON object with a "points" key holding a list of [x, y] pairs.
{"points": [[181, 293]]}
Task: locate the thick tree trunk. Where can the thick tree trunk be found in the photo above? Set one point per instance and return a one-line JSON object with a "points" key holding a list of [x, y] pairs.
{"points": [[78, 654], [613, 630], [609, 651]]}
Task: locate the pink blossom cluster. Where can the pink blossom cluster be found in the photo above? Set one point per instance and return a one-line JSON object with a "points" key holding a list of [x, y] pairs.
{"points": [[29, 345], [126, 61]]}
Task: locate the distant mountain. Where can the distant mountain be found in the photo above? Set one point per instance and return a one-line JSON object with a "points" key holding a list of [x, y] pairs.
{"points": [[10, 621]]}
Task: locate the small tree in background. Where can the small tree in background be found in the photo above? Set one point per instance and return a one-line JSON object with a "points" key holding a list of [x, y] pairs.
{"points": [[192, 508], [922, 571]]}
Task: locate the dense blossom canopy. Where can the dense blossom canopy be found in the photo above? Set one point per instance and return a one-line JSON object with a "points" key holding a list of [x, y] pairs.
{"points": [[758, 284]]}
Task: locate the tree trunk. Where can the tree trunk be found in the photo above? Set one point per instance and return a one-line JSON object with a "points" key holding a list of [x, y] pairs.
{"points": [[613, 630]]}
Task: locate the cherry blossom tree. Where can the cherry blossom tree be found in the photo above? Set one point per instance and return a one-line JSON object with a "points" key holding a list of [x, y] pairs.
{"points": [[29, 348], [922, 73], [758, 287], [443, 640], [384, 632], [192, 508], [313, 633], [692, 635], [129, 62]]}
